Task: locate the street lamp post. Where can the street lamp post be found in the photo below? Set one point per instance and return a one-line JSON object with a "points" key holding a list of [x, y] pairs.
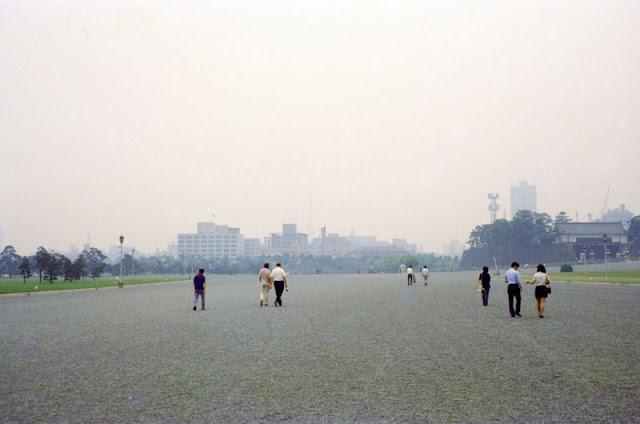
{"points": [[120, 281], [604, 245]]}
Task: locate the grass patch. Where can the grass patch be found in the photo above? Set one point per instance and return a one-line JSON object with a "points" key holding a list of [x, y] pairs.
{"points": [[620, 277], [34, 285]]}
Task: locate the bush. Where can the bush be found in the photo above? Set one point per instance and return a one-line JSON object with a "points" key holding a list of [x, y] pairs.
{"points": [[566, 268]]}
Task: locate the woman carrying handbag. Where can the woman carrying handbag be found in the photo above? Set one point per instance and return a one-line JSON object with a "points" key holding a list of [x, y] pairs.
{"points": [[484, 284], [543, 287]]}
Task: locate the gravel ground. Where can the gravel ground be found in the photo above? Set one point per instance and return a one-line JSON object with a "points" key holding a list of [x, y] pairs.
{"points": [[353, 349]]}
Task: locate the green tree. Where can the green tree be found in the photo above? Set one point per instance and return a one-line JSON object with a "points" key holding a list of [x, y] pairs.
{"points": [[51, 267], [562, 218], [41, 258], [95, 262], [9, 260], [633, 234], [79, 268], [25, 268], [523, 229], [65, 267]]}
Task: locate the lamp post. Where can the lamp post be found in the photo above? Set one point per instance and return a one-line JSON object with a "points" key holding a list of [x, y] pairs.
{"points": [[120, 281], [604, 245], [132, 263]]}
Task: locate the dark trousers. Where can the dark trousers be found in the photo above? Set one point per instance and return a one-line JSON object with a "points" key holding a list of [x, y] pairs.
{"points": [[485, 295], [279, 286], [513, 290], [410, 279]]}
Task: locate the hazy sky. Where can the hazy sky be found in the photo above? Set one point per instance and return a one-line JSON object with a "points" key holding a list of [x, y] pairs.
{"points": [[386, 118]]}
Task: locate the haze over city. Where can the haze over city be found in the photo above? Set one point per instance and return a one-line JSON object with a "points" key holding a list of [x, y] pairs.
{"points": [[392, 119]]}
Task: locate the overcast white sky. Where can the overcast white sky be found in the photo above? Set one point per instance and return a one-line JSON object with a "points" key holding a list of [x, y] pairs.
{"points": [[386, 118]]}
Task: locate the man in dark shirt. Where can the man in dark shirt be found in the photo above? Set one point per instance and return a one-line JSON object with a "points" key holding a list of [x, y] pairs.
{"points": [[199, 287]]}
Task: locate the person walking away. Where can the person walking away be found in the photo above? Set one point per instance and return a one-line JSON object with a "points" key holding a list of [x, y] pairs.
{"points": [[279, 280], [485, 280], [265, 284], [541, 281], [199, 288], [410, 276], [514, 287], [425, 274]]}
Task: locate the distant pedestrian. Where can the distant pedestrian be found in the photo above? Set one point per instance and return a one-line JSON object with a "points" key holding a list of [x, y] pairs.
{"points": [[279, 280], [514, 287], [199, 288], [541, 280], [425, 274], [485, 281], [411, 278], [265, 284]]}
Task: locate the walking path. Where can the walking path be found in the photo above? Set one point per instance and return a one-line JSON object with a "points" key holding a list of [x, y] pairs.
{"points": [[356, 348]]}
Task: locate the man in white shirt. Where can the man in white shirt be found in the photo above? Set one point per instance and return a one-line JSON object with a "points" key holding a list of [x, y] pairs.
{"points": [[410, 276], [279, 280], [514, 286]]}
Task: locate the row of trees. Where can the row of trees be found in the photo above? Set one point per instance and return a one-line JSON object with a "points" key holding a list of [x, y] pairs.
{"points": [[92, 263], [51, 265]]}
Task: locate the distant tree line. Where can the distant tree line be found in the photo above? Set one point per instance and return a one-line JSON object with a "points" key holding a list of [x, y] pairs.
{"points": [[528, 238], [49, 266], [92, 263]]}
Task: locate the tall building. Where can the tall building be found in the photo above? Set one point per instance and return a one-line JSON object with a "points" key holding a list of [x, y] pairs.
{"points": [[211, 241], [253, 247], [289, 241], [523, 198]]}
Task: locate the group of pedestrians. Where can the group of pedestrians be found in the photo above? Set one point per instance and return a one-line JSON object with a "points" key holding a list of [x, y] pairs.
{"points": [[514, 288], [411, 277], [276, 279]]}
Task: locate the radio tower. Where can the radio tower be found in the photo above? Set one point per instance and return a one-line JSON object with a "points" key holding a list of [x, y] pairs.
{"points": [[493, 205]]}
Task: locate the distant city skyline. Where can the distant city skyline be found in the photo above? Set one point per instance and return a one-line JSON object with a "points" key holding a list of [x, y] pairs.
{"points": [[388, 118]]}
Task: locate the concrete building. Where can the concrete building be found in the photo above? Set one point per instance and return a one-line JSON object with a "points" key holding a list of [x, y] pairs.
{"points": [[253, 247], [211, 241], [290, 241], [454, 248], [523, 198]]}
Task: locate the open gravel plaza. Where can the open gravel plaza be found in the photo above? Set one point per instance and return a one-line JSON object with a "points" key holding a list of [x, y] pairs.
{"points": [[342, 349]]}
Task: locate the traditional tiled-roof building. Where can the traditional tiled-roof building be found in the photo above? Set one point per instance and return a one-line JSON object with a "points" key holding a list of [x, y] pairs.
{"points": [[589, 239]]}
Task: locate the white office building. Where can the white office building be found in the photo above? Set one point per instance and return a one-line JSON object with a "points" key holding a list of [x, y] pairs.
{"points": [[211, 241]]}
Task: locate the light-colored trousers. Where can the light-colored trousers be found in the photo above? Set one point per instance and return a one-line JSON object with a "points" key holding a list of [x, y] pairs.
{"points": [[195, 298], [264, 293]]}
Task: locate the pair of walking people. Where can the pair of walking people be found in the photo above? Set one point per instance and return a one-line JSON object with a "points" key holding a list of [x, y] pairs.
{"points": [[276, 279], [514, 287]]}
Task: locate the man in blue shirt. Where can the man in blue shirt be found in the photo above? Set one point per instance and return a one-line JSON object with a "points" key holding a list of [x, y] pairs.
{"points": [[514, 286], [199, 287]]}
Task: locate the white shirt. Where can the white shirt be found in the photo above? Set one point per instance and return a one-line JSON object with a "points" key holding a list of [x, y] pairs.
{"points": [[540, 278], [409, 270], [278, 274]]}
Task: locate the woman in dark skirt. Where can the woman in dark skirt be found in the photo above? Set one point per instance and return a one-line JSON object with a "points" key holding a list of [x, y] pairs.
{"points": [[541, 281], [485, 280]]}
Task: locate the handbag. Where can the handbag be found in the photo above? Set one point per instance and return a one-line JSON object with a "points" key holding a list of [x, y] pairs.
{"points": [[479, 287], [548, 285]]}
